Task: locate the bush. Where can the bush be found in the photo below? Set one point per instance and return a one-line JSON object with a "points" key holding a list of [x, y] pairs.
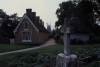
{"points": [[93, 52], [91, 36], [76, 41], [32, 60], [94, 40], [37, 66], [17, 63], [57, 38], [94, 64], [28, 59]]}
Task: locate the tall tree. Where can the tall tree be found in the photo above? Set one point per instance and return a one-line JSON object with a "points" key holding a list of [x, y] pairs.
{"points": [[8, 27], [89, 12], [0, 32], [8, 24], [3, 15], [66, 9]]}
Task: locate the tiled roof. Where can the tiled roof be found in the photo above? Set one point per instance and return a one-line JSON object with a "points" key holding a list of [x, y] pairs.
{"points": [[39, 26]]}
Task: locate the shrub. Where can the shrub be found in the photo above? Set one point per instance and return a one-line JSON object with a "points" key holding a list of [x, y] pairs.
{"points": [[28, 59], [94, 40], [83, 53], [76, 41], [31, 60], [94, 64], [57, 38], [37, 66], [91, 36], [73, 41], [17, 63]]}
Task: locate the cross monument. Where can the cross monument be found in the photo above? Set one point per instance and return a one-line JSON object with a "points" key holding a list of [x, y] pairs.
{"points": [[66, 59]]}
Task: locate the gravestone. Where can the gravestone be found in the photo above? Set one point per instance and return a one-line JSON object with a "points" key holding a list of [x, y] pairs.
{"points": [[66, 59]]}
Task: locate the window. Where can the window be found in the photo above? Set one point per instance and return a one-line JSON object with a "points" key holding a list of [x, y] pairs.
{"points": [[26, 36], [26, 25]]}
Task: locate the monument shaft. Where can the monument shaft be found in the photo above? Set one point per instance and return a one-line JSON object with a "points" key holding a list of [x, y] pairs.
{"points": [[66, 43]]}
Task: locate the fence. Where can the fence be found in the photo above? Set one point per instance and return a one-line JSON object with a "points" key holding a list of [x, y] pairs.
{"points": [[4, 40]]}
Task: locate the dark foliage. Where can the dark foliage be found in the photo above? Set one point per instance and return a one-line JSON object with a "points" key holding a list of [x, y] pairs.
{"points": [[53, 33], [76, 41], [94, 40], [66, 9], [8, 24], [33, 60], [86, 11], [57, 38], [8, 27]]}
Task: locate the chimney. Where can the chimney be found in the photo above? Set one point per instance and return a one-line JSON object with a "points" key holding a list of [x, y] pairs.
{"points": [[43, 23], [29, 13], [34, 16], [38, 19]]}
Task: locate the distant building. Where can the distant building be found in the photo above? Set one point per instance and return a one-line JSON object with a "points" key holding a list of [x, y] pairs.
{"points": [[49, 28]]}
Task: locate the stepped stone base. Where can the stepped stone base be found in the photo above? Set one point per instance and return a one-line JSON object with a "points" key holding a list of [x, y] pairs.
{"points": [[63, 60]]}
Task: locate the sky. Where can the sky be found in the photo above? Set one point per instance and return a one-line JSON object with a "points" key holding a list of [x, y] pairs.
{"points": [[44, 8]]}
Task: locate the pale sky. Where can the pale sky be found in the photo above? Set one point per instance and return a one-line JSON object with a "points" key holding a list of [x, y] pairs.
{"points": [[44, 8]]}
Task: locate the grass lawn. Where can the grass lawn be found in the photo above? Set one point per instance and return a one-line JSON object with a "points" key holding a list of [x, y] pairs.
{"points": [[12, 47], [44, 51], [76, 47]]}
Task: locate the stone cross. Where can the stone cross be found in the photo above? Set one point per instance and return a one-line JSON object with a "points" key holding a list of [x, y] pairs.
{"points": [[66, 59], [66, 37]]}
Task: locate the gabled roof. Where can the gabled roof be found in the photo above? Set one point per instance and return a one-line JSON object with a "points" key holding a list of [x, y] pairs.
{"points": [[39, 26], [25, 17]]}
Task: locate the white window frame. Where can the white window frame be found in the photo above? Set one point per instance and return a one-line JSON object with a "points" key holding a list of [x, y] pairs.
{"points": [[26, 34], [27, 24]]}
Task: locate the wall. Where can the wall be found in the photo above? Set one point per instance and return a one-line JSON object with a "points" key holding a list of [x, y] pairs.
{"points": [[42, 36], [83, 37], [4, 40], [34, 35]]}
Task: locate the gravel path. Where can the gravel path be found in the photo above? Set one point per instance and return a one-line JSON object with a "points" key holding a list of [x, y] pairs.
{"points": [[47, 43]]}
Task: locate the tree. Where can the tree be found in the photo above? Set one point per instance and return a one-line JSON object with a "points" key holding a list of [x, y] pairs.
{"points": [[8, 24], [53, 32], [3, 15], [0, 32], [88, 11], [66, 9], [8, 27]]}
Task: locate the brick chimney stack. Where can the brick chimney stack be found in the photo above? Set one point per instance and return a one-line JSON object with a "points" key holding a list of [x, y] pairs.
{"points": [[43, 23], [38, 19], [34, 16], [29, 13]]}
